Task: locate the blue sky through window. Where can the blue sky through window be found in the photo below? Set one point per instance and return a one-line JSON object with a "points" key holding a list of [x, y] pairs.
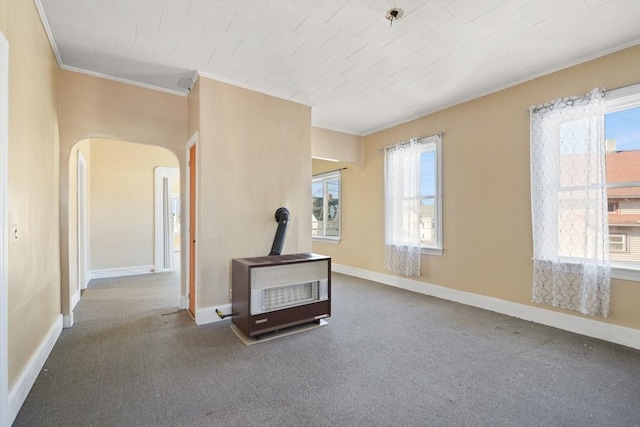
{"points": [[427, 175], [624, 127]]}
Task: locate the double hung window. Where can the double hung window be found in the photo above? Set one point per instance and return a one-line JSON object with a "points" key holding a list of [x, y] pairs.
{"points": [[325, 207], [622, 134]]}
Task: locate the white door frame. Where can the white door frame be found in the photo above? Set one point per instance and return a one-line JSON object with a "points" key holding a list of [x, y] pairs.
{"points": [[161, 173], [83, 242], [4, 231], [186, 200]]}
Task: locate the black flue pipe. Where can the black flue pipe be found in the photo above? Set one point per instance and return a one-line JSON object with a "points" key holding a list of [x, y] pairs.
{"points": [[282, 217]]}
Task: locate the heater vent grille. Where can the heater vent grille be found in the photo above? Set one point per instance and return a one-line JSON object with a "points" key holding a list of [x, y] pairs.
{"points": [[291, 295]]}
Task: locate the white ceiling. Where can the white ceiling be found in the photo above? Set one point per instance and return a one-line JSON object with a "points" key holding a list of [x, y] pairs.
{"points": [[340, 56]]}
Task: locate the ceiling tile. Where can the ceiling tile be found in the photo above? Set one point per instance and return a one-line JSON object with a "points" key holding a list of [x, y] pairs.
{"points": [[321, 9], [447, 33], [425, 18], [405, 45], [379, 34], [354, 17], [344, 44], [497, 19], [468, 10], [391, 65]]}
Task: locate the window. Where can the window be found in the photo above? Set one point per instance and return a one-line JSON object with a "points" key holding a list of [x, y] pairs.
{"points": [[431, 195], [622, 134], [326, 198], [617, 242]]}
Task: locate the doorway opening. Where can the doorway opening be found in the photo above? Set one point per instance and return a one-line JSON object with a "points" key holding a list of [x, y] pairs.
{"points": [[124, 215]]}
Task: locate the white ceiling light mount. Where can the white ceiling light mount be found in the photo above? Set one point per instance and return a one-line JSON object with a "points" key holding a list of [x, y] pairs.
{"points": [[394, 15]]}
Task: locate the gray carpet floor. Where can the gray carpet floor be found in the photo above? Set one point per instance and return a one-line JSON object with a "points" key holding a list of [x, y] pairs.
{"points": [[388, 357]]}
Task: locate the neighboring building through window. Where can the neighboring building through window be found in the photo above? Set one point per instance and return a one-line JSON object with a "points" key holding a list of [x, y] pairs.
{"points": [[326, 198], [622, 134]]}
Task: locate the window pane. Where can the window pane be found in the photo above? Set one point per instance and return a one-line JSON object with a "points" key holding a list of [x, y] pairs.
{"points": [[622, 133], [428, 173], [427, 221], [333, 207], [317, 191], [427, 200]]}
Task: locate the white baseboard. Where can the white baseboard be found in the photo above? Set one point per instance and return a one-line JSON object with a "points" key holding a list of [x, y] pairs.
{"points": [[580, 325], [184, 302], [27, 378], [121, 271], [209, 315]]}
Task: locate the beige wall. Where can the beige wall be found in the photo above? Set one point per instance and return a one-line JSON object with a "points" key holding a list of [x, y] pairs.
{"points": [[122, 202], [486, 189], [332, 145], [34, 269], [93, 107], [254, 157]]}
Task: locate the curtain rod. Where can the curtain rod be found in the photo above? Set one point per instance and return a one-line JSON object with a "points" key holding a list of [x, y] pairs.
{"points": [[399, 144], [565, 101], [323, 173], [603, 92]]}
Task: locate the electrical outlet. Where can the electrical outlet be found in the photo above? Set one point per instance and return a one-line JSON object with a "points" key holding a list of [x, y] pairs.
{"points": [[14, 234], [230, 294]]}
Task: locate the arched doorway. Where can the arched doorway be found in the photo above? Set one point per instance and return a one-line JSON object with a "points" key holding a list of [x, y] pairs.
{"points": [[113, 216]]}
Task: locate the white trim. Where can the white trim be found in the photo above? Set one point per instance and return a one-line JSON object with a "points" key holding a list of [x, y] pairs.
{"points": [[184, 302], [625, 273], [67, 320], [47, 29], [160, 173], [622, 98], [186, 235], [121, 271], [431, 251], [4, 235], [75, 298], [82, 222], [209, 315], [29, 374], [580, 325]]}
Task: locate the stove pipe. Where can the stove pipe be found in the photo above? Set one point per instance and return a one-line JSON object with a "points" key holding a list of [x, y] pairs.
{"points": [[282, 217]]}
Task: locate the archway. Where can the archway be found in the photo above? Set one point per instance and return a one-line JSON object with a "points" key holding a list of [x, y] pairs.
{"points": [[112, 212]]}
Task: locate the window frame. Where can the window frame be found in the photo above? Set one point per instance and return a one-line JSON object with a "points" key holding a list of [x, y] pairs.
{"points": [[618, 100], [434, 142], [324, 178], [623, 242]]}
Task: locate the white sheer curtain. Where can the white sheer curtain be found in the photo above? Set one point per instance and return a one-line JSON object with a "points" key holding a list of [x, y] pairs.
{"points": [[569, 204], [402, 208]]}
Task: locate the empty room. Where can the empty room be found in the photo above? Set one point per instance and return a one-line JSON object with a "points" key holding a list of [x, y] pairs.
{"points": [[320, 213]]}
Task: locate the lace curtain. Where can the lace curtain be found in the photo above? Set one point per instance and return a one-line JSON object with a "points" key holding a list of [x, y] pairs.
{"points": [[402, 208], [569, 204]]}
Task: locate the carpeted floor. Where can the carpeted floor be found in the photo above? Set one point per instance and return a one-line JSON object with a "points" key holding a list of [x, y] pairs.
{"points": [[387, 358]]}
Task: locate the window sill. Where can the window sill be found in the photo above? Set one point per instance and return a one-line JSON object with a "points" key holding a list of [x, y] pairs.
{"points": [[330, 240], [625, 273], [431, 251]]}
